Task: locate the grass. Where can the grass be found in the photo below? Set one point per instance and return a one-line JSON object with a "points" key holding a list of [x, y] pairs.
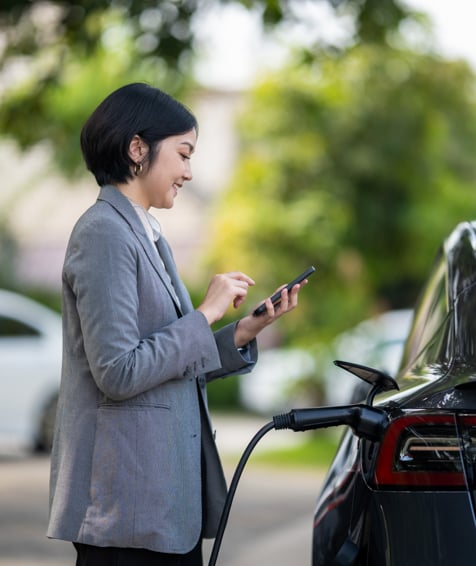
{"points": [[316, 451]]}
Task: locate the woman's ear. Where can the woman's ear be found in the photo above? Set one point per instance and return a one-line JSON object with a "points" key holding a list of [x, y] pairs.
{"points": [[137, 149]]}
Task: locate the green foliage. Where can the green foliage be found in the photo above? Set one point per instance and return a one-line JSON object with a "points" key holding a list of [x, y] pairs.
{"points": [[157, 28], [374, 19], [72, 71], [60, 58], [359, 163], [224, 394]]}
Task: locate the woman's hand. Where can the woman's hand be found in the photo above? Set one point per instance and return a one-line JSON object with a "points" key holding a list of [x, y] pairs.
{"points": [[224, 289], [250, 326]]}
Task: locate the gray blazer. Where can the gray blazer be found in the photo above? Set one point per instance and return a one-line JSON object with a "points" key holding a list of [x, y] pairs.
{"points": [[132, 422]]}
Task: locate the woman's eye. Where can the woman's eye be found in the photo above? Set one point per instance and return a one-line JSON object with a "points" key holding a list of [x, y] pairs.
{"points": [[184, 156]]}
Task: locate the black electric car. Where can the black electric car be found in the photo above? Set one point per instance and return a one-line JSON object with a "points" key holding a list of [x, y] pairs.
{"points": [[407, 498]]}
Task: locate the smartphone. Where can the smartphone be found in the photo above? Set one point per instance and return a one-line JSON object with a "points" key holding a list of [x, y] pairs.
{"points": [[276, 298]]}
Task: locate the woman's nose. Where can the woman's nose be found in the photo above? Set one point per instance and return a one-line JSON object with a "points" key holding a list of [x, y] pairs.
{"points": [[188, 172]]}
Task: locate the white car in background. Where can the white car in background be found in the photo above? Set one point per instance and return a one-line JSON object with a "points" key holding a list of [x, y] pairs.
{"points": [[30, 370], [267, 389]]}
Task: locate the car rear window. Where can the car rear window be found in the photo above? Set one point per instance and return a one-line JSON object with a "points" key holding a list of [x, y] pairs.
{"points": [[428, 335]]}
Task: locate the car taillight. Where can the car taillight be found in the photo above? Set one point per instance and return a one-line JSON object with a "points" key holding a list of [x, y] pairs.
{"points": [[427, 451]]}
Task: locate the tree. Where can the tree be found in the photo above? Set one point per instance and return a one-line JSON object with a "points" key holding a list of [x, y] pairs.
{"points": [[359, 163], [61, 56], [69, 56]]}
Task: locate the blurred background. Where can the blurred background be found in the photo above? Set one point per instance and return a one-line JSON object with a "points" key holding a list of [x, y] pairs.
{"points": [[337, 133]]}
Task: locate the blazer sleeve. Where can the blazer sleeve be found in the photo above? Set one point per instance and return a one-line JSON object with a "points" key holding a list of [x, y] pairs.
{"points": [[234, 361]]}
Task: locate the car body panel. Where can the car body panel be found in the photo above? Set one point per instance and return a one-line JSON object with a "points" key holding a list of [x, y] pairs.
{"points": [[410, 525], [396, 535]]}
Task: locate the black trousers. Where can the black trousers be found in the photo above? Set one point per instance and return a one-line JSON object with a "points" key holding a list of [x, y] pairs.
{"points": [[112, 556]]}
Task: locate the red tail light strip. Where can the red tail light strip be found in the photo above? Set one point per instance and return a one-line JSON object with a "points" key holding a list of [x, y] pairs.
{"points": [[424, 451]]}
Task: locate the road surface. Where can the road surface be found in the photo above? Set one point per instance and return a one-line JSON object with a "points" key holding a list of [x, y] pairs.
{"points": [[270, 520]]}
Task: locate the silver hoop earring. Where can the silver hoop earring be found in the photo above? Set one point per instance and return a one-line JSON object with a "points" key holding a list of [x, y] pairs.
{"points": [[137, 169]]}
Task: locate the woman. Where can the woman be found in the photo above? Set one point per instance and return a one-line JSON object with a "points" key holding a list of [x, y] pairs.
{"points": [[135, 475]]}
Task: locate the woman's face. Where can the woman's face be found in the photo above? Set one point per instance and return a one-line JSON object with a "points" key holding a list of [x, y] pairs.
{"points": [[162, 180]]}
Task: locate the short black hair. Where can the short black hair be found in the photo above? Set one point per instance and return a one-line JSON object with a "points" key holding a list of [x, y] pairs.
{"points": [[134, 109]]}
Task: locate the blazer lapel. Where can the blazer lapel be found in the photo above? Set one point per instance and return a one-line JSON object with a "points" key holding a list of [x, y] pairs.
{"points": [[115, 198], [169, 263]]}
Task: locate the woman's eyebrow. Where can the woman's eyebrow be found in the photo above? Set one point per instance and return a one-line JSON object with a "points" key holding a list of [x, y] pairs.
{"points": [[190, 146]]}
